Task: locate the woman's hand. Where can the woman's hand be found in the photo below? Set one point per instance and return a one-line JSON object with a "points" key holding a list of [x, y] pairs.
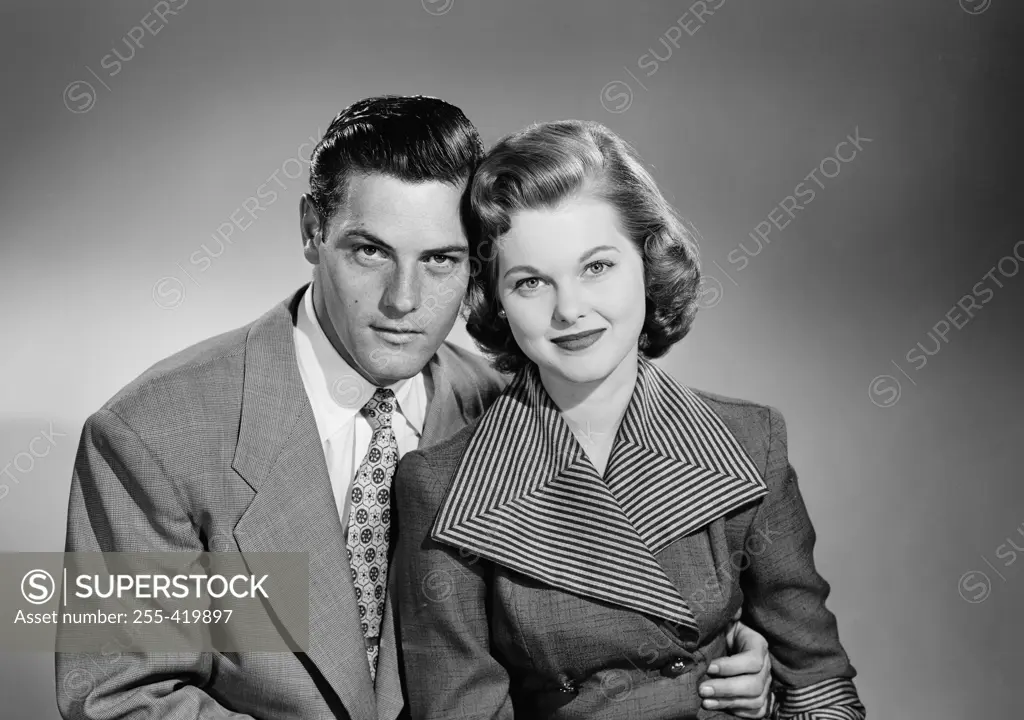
{"points": [[742, 681]]}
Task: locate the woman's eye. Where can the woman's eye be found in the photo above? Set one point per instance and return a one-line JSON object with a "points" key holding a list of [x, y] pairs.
{"points": [[598, 267], [528, 284]]}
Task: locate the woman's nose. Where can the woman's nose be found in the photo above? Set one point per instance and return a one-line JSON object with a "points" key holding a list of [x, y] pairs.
{"points": [[570, 304]]}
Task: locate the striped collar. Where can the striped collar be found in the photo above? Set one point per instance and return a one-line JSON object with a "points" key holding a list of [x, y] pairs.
{"points": [[526, 496]]}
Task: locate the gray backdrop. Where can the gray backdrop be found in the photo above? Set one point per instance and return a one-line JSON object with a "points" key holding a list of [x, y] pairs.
{"points": [[903, 411]]}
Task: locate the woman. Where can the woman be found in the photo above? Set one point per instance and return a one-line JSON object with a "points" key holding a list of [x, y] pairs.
{"points": [[579, 552]]}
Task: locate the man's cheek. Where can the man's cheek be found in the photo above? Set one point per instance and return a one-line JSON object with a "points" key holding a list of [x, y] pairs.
{"points": [[439, 306], [356, 286]]}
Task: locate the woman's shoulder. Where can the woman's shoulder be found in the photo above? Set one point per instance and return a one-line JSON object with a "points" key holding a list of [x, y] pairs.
{"points": [[437, 463], [735, 410], [753, 424]]}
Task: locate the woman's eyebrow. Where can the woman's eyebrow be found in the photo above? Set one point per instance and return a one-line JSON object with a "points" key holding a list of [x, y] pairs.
{"points": [[597, 249], [522, 268]]}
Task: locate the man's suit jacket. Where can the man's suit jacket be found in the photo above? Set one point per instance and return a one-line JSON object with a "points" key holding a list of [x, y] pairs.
{"points": [[216, 448], [529, 584]]}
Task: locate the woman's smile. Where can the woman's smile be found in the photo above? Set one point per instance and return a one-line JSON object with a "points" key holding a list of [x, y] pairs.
{"points": [[578, 341]]}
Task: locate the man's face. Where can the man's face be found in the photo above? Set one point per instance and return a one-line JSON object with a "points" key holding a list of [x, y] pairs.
{"points": [[390, 274]]}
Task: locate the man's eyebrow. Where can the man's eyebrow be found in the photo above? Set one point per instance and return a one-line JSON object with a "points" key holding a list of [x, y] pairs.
{"points": [[583, 257], [447, 250], [362, 232]]}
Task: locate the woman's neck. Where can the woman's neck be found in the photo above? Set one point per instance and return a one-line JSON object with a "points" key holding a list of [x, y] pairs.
{"points": [[594, 408]]}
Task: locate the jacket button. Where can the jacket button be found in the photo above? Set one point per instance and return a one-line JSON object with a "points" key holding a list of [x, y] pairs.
{"points": [[566, 685], [675, 668]]}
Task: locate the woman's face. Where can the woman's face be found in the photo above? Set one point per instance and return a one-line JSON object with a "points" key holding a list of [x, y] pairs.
{"points": [[572, 286]]}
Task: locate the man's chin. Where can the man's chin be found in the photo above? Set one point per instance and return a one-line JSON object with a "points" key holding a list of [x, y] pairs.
{"points": [[390, 363]]}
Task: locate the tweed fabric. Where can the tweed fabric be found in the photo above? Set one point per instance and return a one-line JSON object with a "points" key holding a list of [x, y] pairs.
{"points": [[216, 448], [483, 639]]}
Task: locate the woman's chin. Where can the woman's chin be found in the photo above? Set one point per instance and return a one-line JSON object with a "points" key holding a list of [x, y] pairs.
{"points": [[580, 369]]}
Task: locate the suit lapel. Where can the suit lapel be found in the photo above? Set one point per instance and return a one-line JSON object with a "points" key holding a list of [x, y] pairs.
{"points": [[444, 416], [525, 495], [455, 401], [280, 456]]}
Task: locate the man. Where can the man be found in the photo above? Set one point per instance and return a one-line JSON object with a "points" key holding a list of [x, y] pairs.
{"points": [[280, 436]]}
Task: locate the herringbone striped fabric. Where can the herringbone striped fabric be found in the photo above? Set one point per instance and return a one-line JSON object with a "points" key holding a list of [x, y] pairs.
{"points": [[526, 496]]}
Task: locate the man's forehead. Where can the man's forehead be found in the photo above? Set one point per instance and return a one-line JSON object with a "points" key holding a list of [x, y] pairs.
{"points": [[381, 199]]}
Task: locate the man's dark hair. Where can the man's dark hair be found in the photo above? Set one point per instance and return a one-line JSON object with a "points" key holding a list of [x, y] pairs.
{"points": [[412, 138]]}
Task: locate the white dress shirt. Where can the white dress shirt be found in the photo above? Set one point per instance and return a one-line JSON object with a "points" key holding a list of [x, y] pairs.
{"points": [[338, 393]]}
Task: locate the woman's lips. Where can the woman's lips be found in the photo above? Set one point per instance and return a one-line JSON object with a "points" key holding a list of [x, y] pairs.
{"points": [[578, 341]]}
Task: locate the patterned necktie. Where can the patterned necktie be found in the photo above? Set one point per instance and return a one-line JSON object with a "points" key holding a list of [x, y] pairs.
{"points": [[369, 521]]}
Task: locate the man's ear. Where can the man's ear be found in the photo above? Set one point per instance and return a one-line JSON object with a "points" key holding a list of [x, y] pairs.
{"points": [[311, 227]]}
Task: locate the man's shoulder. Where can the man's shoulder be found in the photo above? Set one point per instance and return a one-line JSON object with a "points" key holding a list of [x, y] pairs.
{"points": [[208, 371], [471, 365], [470, 374], [205, 378]]}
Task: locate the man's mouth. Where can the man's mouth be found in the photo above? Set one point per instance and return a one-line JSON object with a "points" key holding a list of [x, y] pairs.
{"points": [[399, 334]]}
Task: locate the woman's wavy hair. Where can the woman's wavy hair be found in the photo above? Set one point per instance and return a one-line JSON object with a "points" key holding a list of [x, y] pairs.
{"points": [[545, 165]]}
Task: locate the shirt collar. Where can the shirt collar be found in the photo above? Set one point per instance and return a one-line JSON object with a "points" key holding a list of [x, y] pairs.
{"points": [[337, 392], [525, 495]]}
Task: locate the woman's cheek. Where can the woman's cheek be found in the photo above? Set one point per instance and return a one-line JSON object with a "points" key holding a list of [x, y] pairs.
{"points": [[622, 295], [533, 313], [520, 326]]}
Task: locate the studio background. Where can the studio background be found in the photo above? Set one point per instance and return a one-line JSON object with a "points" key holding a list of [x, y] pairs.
{"points": [[110, 198]]}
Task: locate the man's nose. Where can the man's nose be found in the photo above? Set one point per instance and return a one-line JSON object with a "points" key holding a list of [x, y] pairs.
{"points": [[403, 290]]}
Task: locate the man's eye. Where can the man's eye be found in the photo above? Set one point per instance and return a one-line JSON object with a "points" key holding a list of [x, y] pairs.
{"points": [[443, 259], [369, 251]]}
